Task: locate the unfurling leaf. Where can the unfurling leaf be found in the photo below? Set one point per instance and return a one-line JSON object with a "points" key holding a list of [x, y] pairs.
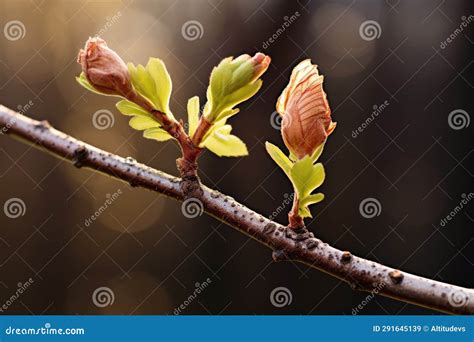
{"points": [[193, 115], [279, 157], [222, 143], [153, 82], [233, 81]]}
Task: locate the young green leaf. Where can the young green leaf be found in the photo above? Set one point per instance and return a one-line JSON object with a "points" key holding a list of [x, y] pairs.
{"points": [[317, 153], [303, 205], [224, 144], [306, 177], [158, 134], [153, 82], [131, 109], [233, 81], [312, 199], [193, 115], [279, 157], [82, 80], [141, 123]]}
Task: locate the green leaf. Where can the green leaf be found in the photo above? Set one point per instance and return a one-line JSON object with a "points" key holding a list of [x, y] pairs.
{"points": [[218, 111], [313, 199], [228, 113], [157, 70], [306, 177], [153, 82], [243, 93], [317, 153], [141, 123], [231, 83], [129, 108], [279, 157], [82, 80], [193, 114], [157, 134], [224, 144], [216, 126], [303, 209]]}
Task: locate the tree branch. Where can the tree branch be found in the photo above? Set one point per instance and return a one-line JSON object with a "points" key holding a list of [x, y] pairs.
{"points": [[287, 244]]}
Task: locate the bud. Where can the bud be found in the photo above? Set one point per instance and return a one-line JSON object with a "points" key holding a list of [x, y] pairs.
{"points": [[104, 69], [260, 64], [234, 81], [305, 110]]}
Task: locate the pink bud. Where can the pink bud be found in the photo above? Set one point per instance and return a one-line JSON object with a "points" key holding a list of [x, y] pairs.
{"points": [[305, 110], [261, 63], [104, 69]]}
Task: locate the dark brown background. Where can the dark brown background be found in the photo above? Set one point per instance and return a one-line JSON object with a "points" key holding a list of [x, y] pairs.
{"points": [[142, 247]]}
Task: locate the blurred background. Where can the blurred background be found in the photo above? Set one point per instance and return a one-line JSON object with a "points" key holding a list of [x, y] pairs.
{"points": [[399, 79]]}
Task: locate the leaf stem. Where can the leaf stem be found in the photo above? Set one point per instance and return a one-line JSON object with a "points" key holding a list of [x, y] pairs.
{"points": [[295, 221]]}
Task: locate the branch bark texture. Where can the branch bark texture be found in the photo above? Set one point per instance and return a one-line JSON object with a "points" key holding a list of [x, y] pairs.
{"points": [[287, 244]]}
